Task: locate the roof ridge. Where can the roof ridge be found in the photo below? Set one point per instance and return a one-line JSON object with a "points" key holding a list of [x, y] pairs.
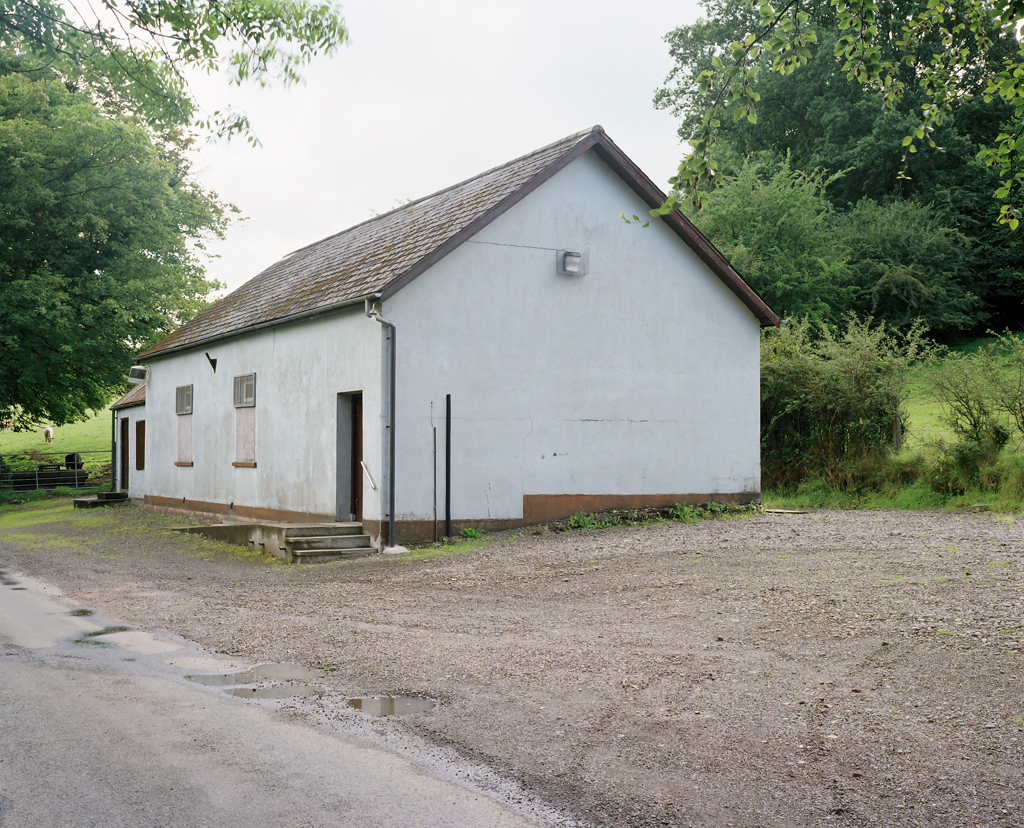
{"points": [[568, 139]]}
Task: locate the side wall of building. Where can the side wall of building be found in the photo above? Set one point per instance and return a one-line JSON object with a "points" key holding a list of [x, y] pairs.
{"points": [[635, 384], [131, 417], [292, 431]]}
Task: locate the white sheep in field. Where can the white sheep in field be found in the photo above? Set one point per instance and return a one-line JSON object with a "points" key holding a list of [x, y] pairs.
{"points": [[48, 434]]}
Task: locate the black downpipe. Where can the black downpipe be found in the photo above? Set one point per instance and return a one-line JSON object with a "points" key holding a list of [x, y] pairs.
{"points": [[391, 459], [448, 466]]}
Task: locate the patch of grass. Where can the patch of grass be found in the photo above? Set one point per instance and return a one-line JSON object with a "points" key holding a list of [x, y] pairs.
{"points": [[90, 435], [33, 514], [447, 547], [9, 499]]}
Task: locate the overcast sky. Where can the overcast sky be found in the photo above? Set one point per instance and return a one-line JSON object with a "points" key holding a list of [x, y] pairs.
{"points": [[426, 95]]}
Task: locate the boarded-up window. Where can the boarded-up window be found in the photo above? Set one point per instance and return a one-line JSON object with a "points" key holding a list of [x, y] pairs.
{"points": [[245, 420], [185, 440], [245, 436], [140, 445], [183, 408], [183, 399]]}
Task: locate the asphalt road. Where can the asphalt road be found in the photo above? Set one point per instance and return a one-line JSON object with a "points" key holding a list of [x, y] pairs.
{"points": [[99, 727]]}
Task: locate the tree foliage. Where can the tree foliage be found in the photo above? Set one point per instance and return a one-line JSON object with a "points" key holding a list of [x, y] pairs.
{"points": [[896, 262], [100, 236], [134, 53], [921, 61], [922, 245], [774, 225]]}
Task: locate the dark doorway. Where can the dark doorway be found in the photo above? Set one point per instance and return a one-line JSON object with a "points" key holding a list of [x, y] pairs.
{"points": [[349, 487], [124, 454], [357, 456], [140, 445]]}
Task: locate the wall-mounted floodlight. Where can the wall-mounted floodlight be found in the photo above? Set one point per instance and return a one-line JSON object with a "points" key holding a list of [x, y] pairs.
{"points": [[213, 362], [138, 374], [572, 263]]}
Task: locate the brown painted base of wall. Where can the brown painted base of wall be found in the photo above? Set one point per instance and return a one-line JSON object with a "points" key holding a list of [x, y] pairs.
{"points": [[206, 510], [536, 509]]}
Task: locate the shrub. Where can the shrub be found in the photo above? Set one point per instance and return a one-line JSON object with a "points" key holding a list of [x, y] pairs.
{"points": [[471, 534], [832, 398]]}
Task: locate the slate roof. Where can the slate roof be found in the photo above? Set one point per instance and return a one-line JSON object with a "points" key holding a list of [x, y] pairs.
{"points": [[385, 253], [137, 396]]}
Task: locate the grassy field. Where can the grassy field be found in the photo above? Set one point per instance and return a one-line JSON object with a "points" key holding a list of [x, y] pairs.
{"points": [[91, 435], [925, 413]]}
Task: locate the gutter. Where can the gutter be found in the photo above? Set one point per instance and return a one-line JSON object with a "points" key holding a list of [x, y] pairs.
{"points": [[373, 312], [259, 326]]}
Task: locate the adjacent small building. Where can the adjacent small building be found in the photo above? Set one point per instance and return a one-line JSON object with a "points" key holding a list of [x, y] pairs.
{"points": [[507, 351], [129, 471]]}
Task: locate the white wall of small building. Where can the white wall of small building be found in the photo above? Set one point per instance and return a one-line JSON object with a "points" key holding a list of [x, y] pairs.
{"points": [[641, 377], [136, 477], [300, 370]]}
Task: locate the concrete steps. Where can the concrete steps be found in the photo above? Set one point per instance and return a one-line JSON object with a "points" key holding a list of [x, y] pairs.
{"points": [[326, 542], [100, 499]]}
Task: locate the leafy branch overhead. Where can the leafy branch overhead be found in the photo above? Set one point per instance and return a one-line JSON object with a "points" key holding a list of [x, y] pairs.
{"points": [[944, 50], [134, 53]]}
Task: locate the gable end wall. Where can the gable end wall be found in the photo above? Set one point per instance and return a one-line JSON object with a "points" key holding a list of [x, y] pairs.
{"points": [[636, 383]]}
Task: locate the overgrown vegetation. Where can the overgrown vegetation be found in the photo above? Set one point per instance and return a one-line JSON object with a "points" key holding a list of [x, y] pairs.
{"points": [[681, 513], [832, 399], [833, 413]]}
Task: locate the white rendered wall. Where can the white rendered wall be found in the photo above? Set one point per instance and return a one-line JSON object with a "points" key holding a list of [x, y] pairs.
{"points": [[136, 478], [641, 377], [300, 370]]}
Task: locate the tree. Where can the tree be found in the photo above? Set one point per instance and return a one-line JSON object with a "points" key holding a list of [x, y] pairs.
{"points": [[907, 266], [920, 61], [100, 236], [825, 123], [135, 55], [773, 223], [101, 227]]}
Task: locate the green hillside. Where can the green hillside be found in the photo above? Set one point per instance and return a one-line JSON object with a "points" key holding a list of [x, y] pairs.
{"points": [[91, 435]]}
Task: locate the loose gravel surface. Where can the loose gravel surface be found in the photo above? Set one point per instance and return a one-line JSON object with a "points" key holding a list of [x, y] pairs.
{"points": [[832, 668]]}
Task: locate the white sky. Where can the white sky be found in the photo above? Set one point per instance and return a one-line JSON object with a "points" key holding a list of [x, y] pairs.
{"points": [[426, 95]]}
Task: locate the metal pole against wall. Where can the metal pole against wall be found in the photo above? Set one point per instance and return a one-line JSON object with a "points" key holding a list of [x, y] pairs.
{"points": [[448, 466], [433, 428]]}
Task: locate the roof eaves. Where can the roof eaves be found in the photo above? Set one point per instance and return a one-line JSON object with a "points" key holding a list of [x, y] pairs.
{"points": [[135, 397], [150, 353]]}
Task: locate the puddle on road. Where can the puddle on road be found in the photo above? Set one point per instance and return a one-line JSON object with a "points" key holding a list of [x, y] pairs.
{"points": [[105, 631], [390, 705], [261, 672], [81, 613], [94, 638], [280, 691], [233, 684]]}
